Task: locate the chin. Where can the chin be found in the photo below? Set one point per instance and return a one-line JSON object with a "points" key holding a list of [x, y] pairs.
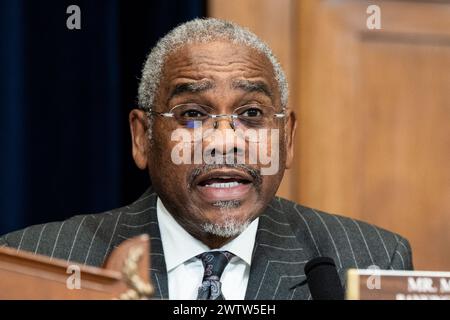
{"points": [[228, 228], [227, 220], [236, 210]]}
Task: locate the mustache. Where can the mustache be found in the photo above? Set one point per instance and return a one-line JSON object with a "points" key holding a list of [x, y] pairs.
{"points": [[253, 172]]}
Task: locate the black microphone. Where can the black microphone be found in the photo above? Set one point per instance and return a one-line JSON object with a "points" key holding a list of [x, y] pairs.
{"points": [[323, 279]]}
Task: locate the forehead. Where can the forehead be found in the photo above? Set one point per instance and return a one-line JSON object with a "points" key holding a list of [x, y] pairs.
{"points": [[217, 61]]}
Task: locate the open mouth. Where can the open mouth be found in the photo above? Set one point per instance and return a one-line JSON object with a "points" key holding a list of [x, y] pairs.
{"points": [[224, 185]]}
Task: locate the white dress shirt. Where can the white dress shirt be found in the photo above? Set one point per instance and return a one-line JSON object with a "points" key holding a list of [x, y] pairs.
{"points": [[185, 271]]}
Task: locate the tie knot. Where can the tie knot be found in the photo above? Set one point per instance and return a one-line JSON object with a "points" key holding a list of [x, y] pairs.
{"points": [[214, 263]]}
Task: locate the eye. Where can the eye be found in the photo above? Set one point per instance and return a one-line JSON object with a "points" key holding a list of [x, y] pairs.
{"points": [[252, 112], [190, 111], [192, 114]]}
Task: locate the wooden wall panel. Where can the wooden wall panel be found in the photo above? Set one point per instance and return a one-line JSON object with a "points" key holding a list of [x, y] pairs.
{"points": [[374, 138]]}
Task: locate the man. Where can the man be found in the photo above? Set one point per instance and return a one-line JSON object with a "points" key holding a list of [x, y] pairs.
{"points": [[217, 230]]}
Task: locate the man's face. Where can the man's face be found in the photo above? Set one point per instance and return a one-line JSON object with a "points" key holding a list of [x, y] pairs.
{"points": [[213, 201]]}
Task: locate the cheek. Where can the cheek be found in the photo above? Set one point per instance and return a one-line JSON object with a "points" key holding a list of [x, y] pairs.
{"points": [[282, 147], [272, 154], [161, 141], [159, 154]]}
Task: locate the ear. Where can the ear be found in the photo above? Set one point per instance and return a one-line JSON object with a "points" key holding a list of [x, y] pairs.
{"points": [[290, 127], [139, 140]]}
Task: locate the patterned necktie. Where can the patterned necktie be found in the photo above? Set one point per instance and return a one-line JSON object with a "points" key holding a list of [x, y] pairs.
{"points": [[214, 263]]}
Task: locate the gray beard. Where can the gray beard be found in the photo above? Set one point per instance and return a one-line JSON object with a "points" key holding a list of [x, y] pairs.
{"points": [[229, 228]]}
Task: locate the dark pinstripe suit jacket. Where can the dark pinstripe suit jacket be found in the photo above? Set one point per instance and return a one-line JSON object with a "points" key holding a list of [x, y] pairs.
{"points": [[288, 236]]}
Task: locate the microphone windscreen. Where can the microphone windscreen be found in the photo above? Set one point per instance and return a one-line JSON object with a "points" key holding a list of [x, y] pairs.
{"points": [[323, 279]]}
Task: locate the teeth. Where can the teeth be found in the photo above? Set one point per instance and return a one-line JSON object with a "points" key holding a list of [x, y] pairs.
{"points": [[223, 185]]}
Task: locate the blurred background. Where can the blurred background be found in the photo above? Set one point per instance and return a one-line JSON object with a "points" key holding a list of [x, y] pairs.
{"points": [[373, 139]]}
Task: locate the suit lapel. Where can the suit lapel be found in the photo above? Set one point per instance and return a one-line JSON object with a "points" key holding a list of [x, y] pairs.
{"points": [[279, 255], [278, 259], [138, 218]]}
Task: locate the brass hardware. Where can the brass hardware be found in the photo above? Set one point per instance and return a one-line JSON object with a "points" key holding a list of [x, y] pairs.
{"points": [[139, 289]]}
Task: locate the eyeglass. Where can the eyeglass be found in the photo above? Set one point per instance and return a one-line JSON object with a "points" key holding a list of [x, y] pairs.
{"points": [[251, 116]]}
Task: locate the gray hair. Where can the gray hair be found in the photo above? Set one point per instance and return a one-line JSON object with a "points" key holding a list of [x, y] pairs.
{"points": [[201, 31]]}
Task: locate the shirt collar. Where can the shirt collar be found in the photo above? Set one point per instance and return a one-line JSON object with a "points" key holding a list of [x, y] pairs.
{"points": [[179, 246]]}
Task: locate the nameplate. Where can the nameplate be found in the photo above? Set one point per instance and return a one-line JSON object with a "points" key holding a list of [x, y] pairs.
{"points": [[374, 284]]}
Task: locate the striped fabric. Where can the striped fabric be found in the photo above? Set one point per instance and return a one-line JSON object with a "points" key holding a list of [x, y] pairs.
{"points": [[288, 236]]}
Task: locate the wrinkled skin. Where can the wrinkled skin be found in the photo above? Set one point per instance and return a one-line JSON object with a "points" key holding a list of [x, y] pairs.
{"points": [[220, 63]]}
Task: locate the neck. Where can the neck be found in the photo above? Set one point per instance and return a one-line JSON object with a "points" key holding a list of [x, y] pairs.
{"points": [[213, 241]]}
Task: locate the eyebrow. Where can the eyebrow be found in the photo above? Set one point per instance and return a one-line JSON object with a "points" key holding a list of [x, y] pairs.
{"points": [[252, 86], [190, 87]]}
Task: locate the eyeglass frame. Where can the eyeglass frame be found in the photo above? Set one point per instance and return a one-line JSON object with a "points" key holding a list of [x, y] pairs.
{"points": [[232, 116]]}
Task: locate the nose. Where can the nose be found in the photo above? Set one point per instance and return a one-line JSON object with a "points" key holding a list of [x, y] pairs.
{"points": [[220, 122], [224, 143]]}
